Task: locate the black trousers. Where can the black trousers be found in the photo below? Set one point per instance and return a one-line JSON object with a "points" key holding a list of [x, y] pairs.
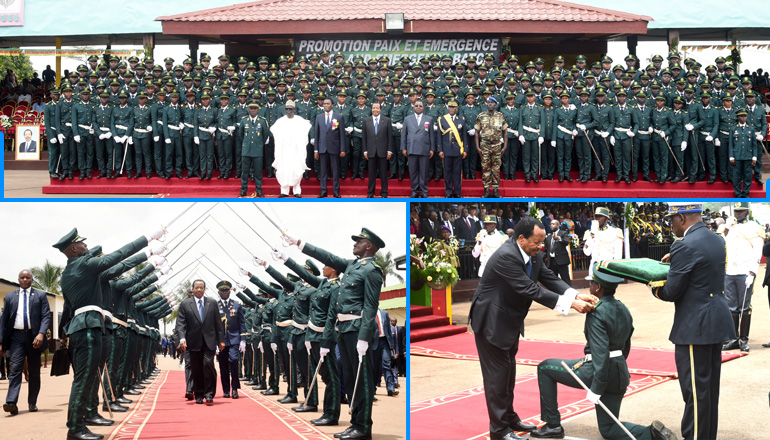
{"points": [[498, 369], [299, 352], [333, 160], [20, 348], [204, 375], [206, 151], [270, 361], [560, 269], [191, 155], [361, 418], [330, 377], [228, 368], [453, 166], [174, 155], [104, 154], [187, 372], [378, 163], [418, 174], [704, 363], [251, 166]]}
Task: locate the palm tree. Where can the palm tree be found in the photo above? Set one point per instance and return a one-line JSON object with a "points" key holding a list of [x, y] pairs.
{"points": [[47, 278], [181, 293], [388, 266]]}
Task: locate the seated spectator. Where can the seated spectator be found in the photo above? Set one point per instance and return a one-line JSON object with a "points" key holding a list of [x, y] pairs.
{"points": [[38, 105]]}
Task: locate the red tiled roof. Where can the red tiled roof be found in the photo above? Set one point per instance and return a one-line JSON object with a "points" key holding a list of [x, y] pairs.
{"points": [[428, 10]]}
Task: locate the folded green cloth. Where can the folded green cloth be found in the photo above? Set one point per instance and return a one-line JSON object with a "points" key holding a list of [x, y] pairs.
{"points": [[642, 270]]}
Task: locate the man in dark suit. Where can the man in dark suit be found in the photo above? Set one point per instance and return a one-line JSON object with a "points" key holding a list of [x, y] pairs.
{"points": [[515, 276], [452, 148], [25, 319], [556, 252], [702, 320], [231, 312], [466, 227], [418, 142], [28, 146], [201, 331], [399, 334], [330, 145], [378, 148], [382, 351], [429, 228]]}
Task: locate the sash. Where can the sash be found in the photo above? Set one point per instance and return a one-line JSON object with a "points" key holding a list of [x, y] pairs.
{"points": [[453, 129]]}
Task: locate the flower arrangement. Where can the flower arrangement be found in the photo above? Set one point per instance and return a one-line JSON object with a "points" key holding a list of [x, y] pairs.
{"points": [[574, 241], [335, 124], [6, 122], [629, 214], [658, 239], [438, 272], [427, 126]]}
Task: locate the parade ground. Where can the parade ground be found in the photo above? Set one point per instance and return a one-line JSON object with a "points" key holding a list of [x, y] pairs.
{"points": [[453, 387], [162, 412]]}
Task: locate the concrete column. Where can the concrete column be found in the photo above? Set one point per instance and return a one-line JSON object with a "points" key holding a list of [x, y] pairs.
{"points": [[58, 60], [631, 42], [672, 35], [193, 44]]}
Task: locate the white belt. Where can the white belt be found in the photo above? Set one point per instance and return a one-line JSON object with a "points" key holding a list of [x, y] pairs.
{"points": [[267, 327], [347, 317], [188, 125], [85, 127], [613, 354], [298, 325], [139, 327], [224, 130], [284, 323], [88, 309], [107, 313], [206, 128], [705, 133], [68, 124], [564, 130], [622, 130], [122, 127], [140, 130], [159, 122], [532, 130], [130, 320], [315, 327], [118, 322], [104, 128], [174, 127], [727, 133]]}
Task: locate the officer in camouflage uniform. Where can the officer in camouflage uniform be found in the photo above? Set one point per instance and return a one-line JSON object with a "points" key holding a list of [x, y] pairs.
{"points": [[491, 128]]}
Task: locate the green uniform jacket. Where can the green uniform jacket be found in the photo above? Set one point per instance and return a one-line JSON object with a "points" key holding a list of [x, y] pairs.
{"points": [[727, 120], [188, 119], [205, 117], [608, 328], [253, 135], [142, 119], [742, 143], [157, 109], [64, 117], [533, 117], [226, 118], [757, 119], [357, 115], [102, 118], [172, 117], [642, 119], [51, 108], [706, 119], [663, 120], [623, 119], [272, 113], [566, 119], [82, 114], [125, 288]]}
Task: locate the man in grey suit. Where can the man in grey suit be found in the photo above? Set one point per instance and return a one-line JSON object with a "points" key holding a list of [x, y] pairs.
{"points": [[329, 145], [378, 148], [418, 142]]}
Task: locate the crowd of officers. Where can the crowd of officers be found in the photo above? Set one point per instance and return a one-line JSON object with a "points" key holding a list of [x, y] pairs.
{"points": [[676, 121]]}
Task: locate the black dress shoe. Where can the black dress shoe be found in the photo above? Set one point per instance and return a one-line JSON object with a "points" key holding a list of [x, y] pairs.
{"points": [[283, 195], [270, 392], [547, 432], [189, 396], [676, 180], [208, 176], [11, 408], [535, 179], [595, 178], [287, 399], [131, 392], [322, 195], [83, 435], [355, 434], [61, 177], [658, 431], [513, 436], [98, 420], [400, 178], [766, 345], [260, 386], [221, 176], [114, 407], [340, 434], [324, 421], [369, 196], [226, 395], [646, 178], [242, 194], [344, 400], [297, 196], [199, 400], [33, 407], [691, 181], [628, 181], [122, 399], [138, 386], [259, 193], [617, 180], [569, 179], [525, 427], [209, 400], [201, 177], [526, 179], [731, 345], [711, 180], [306, 408], [235, 394], [336, 195], [81, 176]]}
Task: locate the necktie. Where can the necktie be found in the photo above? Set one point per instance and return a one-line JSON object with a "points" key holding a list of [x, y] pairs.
{"points": [[26, 319], [529, 268], [376, 125], [379, 324], [200, 308], [418, 120], [467, 222], [328, 121]]}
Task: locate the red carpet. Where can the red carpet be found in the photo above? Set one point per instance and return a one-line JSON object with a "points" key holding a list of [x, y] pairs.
{"points": [[358, 188], [463, 414], [423, 324], [163, 413], [641, 360]]}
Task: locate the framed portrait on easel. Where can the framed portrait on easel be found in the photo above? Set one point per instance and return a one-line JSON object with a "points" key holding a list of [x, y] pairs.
{"points": [[28, 142]]}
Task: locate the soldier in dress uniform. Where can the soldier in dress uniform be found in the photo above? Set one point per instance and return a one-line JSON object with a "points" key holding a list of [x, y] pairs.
{"points": [[663, 125], [142, 135], [564, 133], [123, 124], [491, 144], [65, 133], [743, 153], [622, 137], [727, 119], [231, 313], [511, 114], [757, 118], [205, 127], [102, 125], [83, 130], [470, 111], [586, 119], [641, 115], [172, 126], [254, 132], [226, 125], [452, 148], [604, 128]]}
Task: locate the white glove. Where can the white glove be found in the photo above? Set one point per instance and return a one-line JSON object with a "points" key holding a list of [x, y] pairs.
{"points": [[181, 126], [581, 126], [90, 131], [242, 347], [154, 249], [709, 138], [472, 132], [612, 140], [631, 134], [212, 130], [574, 133], [77, 138], [161, 282], [231, 129], [553, 143], [101, 136], [749, 280], [259, 346], [217, 353], [516, 133], [502, 140], [399, 125], [274, 346], [108, 135], [196, 140], [593, 398], [759, 137], [324, 352], [521, 139], [605, 134], [572, 107], [689, 127], [156, 234], [312, 141], [361, 347], [157, 260], [166, 270], [53, 140], [717, 143], [459, 126], [168, 141], [289, 239], [61, 138], [130, 140], [435, 127], [289, 346], [149, 128], [510, 130], [660, 133], [684, 145], [243, 272], [540, 140], [267, 141], [308, 345], [260, 262], [280, 255], [156, 138], [348, 130]]}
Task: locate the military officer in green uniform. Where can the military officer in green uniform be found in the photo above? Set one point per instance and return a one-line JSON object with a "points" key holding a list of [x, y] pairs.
{"points": [[758, 120], [81, 289], [705, 121], [663, 125], [605, 127], [189, 133], [531, 129], [54, 153], [254, 132], [142, 135], [102, 125], [641, 115], [563, 135], [205, 122], [398, 112], [172, 127], [586, 119], [271, 111], [65, 133], [490, 129], [353, 312], [158, 104], [123, 124], [82, 131], [511, 114], [679, 143], [726, 121], [608, 330], [470, 111], [622, 137], [226, 124], [355, 130], [743, 153]]}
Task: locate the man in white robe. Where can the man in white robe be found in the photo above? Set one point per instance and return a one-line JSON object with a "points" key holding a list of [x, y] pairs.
{"points": [[290, 133]]}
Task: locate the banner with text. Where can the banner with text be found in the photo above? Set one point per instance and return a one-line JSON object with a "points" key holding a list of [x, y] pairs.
{"points": [[460, 49]]}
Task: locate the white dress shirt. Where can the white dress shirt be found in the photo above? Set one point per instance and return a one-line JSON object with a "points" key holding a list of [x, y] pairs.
{"points": [[19, 323]]}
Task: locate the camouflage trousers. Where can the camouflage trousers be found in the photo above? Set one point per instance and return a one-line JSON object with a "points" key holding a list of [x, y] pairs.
{"points": [[490, 164]]}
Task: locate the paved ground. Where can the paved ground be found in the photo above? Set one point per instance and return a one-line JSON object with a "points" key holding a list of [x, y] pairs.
{"points": [[744, 385], [49, 422]]}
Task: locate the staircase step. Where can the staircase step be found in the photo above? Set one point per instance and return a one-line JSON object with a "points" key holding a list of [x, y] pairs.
{"points": [[415, 311], [435, 332], [428, 321]]}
